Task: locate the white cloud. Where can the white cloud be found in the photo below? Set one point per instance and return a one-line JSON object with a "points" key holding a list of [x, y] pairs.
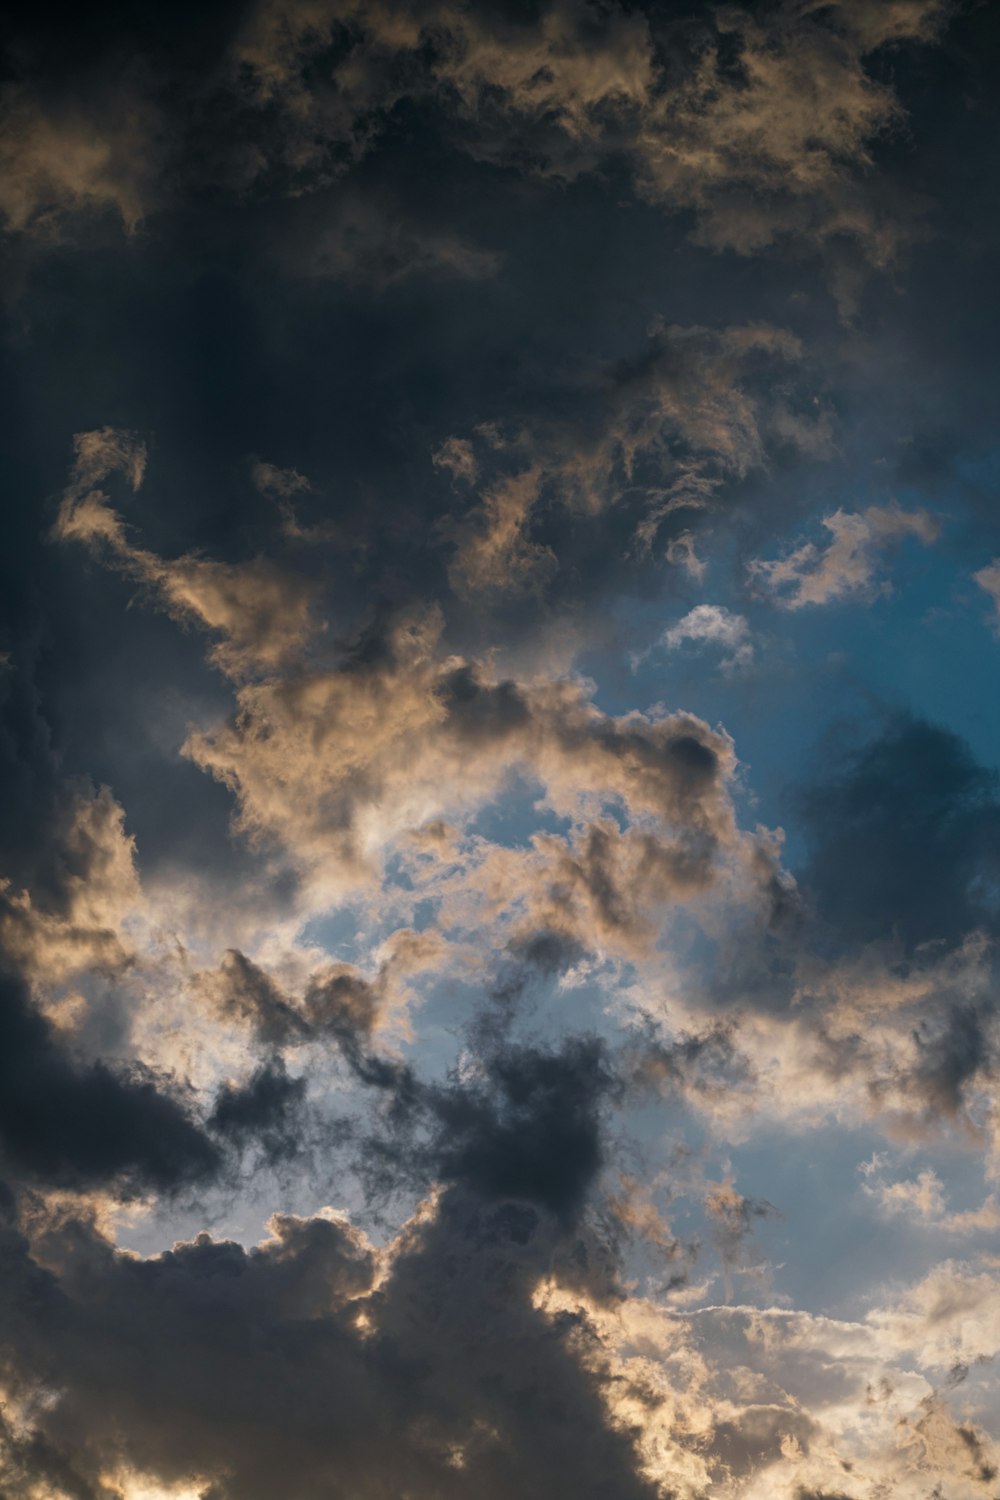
{"points": [[712, 624], [925, 1200]]}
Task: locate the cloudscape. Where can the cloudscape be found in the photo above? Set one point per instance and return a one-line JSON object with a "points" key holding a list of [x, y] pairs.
{"points": [[499, 729]]}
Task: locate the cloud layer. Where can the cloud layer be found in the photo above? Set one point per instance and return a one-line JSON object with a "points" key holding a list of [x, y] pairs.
{"points": [[498, 855]]}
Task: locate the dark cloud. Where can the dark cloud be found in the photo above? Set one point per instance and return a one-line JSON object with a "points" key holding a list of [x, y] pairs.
{"points": [[24, 1461], [694, 1063], [338, 1003], [242, 991], [516, 1121], [29, 766], [531, 1131], [955, 1051], [264, 1111], [903, 836], [982, 1469], [294, 1365], [81, 1125], [344, 1005]]}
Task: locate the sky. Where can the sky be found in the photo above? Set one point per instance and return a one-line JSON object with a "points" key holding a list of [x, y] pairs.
{"points": [[499, 738]]}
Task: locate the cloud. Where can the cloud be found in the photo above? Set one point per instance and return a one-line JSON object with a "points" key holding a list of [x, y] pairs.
{"points": [[367, 242], [529, 1127], [80, 1125], [265, 1112], [496, 958], [282, 483], [85, 1109], [712, 624], [769, 1401], [681, 551], [899, 832], [924, 1197], [761, 124], [260, 613], [732, 1215], [924, 1200], [69, 160], [758, 131], [671, 429], [385, 1334], [358, 756], [457, 456], [988, 579], [954, 1446], [907, 1045], [849, 565], [494, 553], [84, 889], [952, 1315], [339, 1001]]}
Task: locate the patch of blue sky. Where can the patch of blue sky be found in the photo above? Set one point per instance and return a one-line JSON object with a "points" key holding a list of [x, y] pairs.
{"points": [[339, 932], [517, 811], [924, 646], [836, 1236]]}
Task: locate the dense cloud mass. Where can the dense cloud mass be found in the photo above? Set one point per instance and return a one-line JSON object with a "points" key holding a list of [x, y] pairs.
{"points": [[500, 834]]}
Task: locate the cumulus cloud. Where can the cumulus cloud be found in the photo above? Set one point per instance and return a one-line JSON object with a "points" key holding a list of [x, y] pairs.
{"points": [[649, 1399], [761, 127], [385, 1332], [86, 887], [358, 756], [86, 1108], [907, 1046], [769, 1401], [949, 1317], [849, 564], [381, 753], [339, 1000]]}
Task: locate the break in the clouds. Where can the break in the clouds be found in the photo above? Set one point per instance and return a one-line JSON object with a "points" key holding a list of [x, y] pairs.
{"points": [[500, 836]]}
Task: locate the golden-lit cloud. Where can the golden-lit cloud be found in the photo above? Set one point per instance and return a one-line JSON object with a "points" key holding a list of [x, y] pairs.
{"points": [[774, 147], [849, 564], [62, 163], [260, 613]]}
